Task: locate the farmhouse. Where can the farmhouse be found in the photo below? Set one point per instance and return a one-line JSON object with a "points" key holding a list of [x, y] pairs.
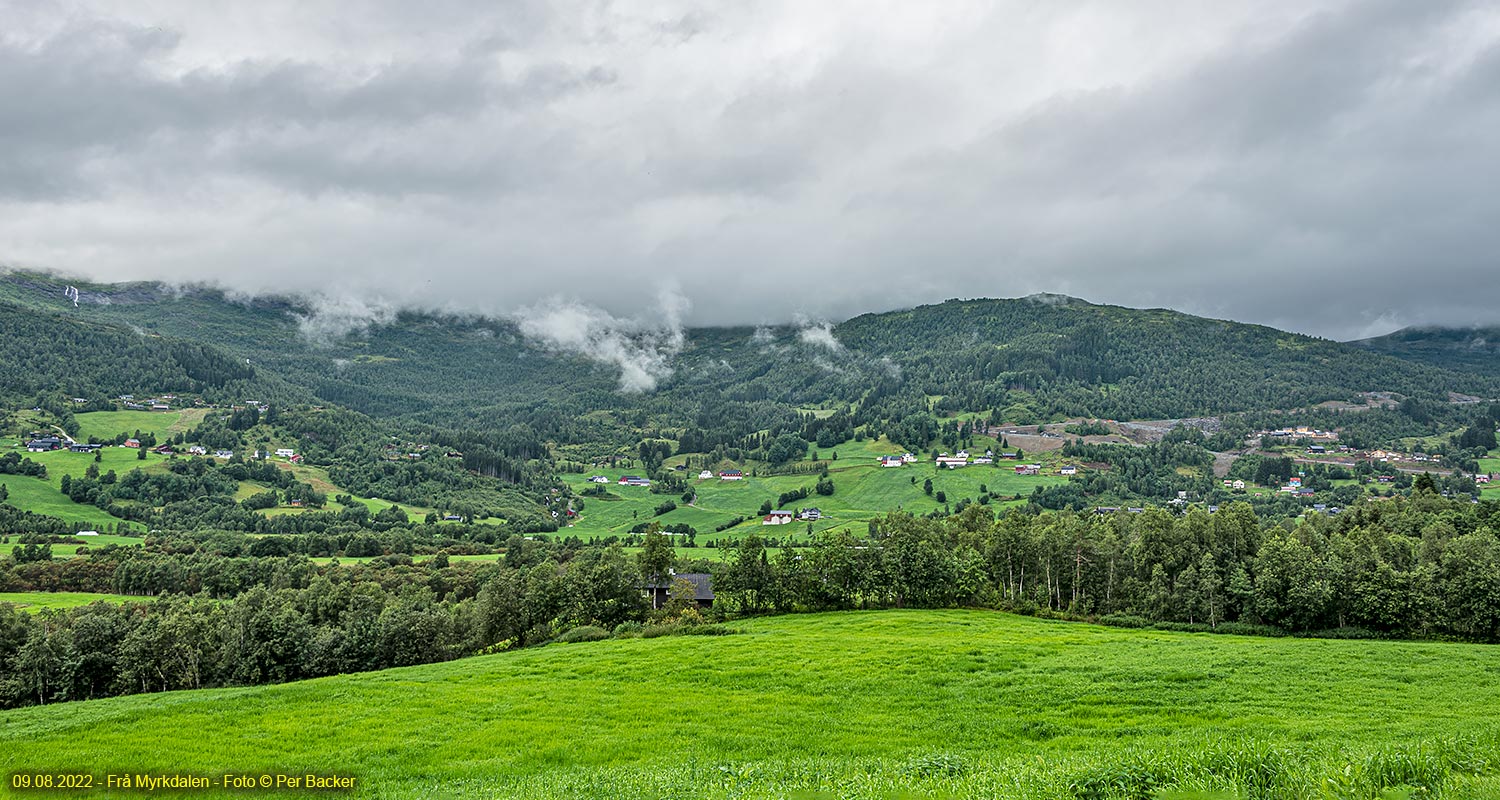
{"points": [[87, 533], [132, 443], [160, 407], [731, 475], [45, 444], [778, 518], [598, 479], [705, 475], [1481, 478], [891, 461], [223, 454], [983, 460], [909, 458], [286, 452], [1316, 448], [1238, 484], [703, 589], [198, 450], [810, 514], [1028, 469], [634, 480], [1068, 469], [952, 462], [79, 447]]}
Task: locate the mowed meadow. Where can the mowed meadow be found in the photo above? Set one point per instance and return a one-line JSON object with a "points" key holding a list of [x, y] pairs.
{"points": [[843, 705], [863, 490]]}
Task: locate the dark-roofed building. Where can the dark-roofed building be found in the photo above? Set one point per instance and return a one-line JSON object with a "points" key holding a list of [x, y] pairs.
{"points": [[45, 444], [703, 589]]}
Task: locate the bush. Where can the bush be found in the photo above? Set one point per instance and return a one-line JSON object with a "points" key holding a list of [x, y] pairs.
{"points": [[584, 633], [1346, 632], [678, 629], [1124, 621], [1249, 629], [654, 631], [629, 628], [706, 630]]}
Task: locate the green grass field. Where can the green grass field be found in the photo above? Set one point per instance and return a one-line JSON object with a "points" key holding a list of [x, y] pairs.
{"points": [[67, 550], [106, 425], [36, 601], [42, 497], [853, 705], [862, 490]]}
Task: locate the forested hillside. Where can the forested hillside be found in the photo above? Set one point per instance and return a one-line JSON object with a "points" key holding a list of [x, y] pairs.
{"points": [[1016, 361], [1475, 350], [44, 353]]}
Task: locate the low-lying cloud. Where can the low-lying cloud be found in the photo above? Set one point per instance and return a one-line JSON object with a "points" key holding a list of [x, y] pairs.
{"points": [[819, 335], [642, 348], [331, 318]]}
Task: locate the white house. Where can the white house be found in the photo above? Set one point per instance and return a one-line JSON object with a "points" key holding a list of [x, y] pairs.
{"points": [[891, 461], [197, 450], [1068, 469], [598, 479], [705, 475], [810, 514], [778, 518], [909, 458], [285, 452]]}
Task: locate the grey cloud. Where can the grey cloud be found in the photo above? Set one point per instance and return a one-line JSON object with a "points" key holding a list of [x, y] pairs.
{"points": [[1323, 166], [819, 335], [332, 318], [641, 348]]}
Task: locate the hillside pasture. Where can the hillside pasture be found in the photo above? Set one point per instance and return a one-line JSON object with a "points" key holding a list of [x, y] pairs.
{"points": [[38, 601], [43, 497], [849, 705], [863, 490], [69, 550], [106, 425]]}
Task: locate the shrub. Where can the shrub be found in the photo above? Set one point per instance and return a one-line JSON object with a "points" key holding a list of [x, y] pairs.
{"points": [[654, 631], [629, 628], [584, 633], [1249, 629], [1124, 621]]}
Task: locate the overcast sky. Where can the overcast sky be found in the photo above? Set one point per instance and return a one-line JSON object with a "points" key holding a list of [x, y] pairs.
{"points": [[1328, 167]]}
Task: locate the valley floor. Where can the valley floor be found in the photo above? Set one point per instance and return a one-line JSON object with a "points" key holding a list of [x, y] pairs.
{"points": [[858, 704]]}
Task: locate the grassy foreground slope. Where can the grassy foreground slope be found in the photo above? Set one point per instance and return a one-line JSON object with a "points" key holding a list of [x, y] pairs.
{"points": [[955, 703]]}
